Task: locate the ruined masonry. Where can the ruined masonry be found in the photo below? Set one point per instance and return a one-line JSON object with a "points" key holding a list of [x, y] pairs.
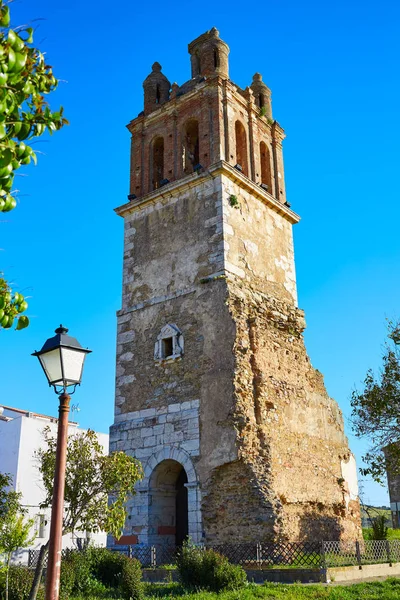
{"points": [[215, 393]]}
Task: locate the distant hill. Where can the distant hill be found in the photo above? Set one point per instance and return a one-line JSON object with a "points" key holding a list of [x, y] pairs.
{"points": [[375, 511]]}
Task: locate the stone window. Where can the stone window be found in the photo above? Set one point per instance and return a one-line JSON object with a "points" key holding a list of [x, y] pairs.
{"points": [[216, 58], [241, 147], [169, 344]]}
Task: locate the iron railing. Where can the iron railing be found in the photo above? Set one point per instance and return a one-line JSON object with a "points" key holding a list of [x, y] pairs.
{"points": [[264, 555]]}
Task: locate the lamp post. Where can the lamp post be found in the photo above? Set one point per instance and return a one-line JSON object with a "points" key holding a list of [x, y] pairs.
{"points": [[62, 359]]}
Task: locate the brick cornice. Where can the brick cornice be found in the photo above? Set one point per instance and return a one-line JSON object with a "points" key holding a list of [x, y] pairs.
{"points": [[191, 181]]}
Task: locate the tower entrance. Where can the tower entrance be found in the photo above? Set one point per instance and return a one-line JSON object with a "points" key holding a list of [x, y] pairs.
{"points": [[168, 504]]}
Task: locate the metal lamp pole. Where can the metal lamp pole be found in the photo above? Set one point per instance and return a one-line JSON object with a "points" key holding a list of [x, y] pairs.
{"points": [[62, 358], [57, 507]]}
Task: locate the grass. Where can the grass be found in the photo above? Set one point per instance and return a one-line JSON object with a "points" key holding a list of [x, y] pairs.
{"points": [[393, 534], [377, 590]]}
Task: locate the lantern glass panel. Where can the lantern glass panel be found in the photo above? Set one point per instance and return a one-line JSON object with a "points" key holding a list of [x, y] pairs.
{"points": [[72, 365], [51, 363]]}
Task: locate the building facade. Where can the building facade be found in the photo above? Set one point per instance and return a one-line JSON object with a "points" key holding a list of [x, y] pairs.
{"points": [[215, 393], [21, 435]]}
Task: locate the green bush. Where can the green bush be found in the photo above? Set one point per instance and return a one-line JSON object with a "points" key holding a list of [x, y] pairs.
{"points": [[19, 585], [106, 566], [131, 585], [379, 529], [67, 579], [94, 570], [206, 569], [77, 577]]}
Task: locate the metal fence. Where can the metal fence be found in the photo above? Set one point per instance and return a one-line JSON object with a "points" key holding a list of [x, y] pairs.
{"points": [[264, 555], [365, 552]]}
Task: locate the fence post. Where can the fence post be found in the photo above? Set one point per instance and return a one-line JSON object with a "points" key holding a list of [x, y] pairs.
{"points": [[323, 560], [358, 555], [129, 551], [258, 554], [388, 552], [153, 558]]}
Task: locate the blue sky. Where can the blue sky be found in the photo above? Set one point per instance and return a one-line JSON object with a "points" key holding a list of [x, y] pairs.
{"points": [[333, 71]]}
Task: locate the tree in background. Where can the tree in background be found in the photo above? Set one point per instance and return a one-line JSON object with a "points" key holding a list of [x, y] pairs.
{"points": [[97, 487], [25, 79], [9, 499], [15, 532], [376, 412]]}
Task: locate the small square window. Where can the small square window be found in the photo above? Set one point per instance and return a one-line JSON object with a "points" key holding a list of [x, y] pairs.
{"points": [[167, 347]]}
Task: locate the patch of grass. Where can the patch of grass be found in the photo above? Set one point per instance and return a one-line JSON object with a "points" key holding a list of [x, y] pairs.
{"points": [[377, 590], [393, 534]]}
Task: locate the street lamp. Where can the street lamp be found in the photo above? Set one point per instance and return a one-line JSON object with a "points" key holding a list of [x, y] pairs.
{"points": [[62, 358]]}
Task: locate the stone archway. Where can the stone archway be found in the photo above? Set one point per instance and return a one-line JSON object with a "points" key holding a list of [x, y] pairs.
{"points": [[168, 504], [165, 474]]}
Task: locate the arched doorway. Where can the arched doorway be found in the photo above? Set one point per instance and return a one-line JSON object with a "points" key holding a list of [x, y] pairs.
{"points": [[168, 504]]}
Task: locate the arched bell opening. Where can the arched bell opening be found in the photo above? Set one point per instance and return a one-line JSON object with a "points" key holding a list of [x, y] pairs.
{"points": [[157, 162], [265, 163], [241, 147], [190, 146]]}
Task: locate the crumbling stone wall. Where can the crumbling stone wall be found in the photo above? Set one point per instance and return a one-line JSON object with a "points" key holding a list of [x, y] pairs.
{"points": [[290, 432]]}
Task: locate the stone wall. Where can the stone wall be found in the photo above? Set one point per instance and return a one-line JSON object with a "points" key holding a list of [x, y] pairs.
{"points": [[290, 433]]}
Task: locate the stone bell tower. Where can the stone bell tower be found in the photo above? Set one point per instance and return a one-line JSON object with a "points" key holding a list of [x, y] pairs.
{"points": [[215, 393]]}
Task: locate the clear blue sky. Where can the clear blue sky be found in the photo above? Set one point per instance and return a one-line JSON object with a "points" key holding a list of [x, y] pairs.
{"points": [[333, 69]]}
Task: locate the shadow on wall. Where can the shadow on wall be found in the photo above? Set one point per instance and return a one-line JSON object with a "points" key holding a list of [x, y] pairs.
{"points": [[316, 526]]}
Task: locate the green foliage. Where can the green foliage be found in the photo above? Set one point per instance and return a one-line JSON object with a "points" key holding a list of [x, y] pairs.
{"points": [[10, 501], [131, 585], [263, 111], [25, 79], [376, 590], [375, 412], [233, 201], [12, 304], [379, 530], [96, 570], [392, 534], [15, 533], [20, 581], [106, 565], [206, 569], [92, 477]]}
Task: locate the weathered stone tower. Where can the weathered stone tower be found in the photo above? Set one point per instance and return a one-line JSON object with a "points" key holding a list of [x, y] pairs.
{"points": [[215, 393]]}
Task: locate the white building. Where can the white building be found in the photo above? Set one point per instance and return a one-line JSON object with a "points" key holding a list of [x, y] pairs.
{"points": [[21, 434]]}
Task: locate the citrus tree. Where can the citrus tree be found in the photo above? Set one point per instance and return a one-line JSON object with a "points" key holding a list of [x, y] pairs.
{"points": [[25, 80]]}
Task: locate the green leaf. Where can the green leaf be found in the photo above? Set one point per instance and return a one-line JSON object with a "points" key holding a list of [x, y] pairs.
{"points": [[5, 16], [29, 31]]}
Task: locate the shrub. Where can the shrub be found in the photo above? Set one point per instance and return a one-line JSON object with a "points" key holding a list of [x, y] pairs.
{"points": [[206, 569], [106, 566], [77, 572], [20, 581], [67, 579], [131, 585], [116, 570], [379, 529]]}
